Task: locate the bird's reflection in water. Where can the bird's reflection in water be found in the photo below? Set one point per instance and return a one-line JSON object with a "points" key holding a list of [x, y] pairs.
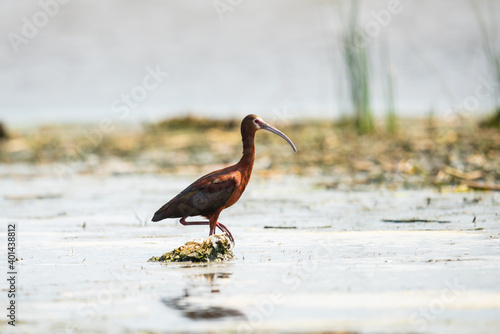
{"points": [[202, 285]]}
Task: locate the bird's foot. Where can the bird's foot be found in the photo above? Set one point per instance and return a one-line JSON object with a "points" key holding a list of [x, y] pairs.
{"points": [[221, 227], [225, 230]]}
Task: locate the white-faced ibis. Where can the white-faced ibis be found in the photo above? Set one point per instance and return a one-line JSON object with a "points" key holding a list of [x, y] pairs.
{"points": [[216, 191]]}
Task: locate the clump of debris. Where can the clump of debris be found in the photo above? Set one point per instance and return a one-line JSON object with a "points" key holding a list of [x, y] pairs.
{"points": [[216, 248]]}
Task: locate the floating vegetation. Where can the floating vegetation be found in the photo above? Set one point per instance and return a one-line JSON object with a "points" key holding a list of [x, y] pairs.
{"points": [[415, 220], [216, 248]]}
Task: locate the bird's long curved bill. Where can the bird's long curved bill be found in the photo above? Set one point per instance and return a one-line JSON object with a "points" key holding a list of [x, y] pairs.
{"points": [[270, 128]]}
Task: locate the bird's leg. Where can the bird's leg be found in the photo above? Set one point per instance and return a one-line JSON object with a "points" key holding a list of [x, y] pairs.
{"points": [[185, 223], [212, 230], [221, 227]]}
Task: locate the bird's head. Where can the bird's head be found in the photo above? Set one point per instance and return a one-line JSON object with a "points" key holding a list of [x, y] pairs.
{"points": [[252, 123]]}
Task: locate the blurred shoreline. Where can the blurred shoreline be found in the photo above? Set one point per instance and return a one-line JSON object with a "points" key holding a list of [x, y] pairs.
{"points": [[424, 152]]}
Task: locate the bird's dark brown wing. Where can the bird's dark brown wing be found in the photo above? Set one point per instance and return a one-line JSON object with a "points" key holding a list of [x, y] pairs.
{"points": [[204, 196]]}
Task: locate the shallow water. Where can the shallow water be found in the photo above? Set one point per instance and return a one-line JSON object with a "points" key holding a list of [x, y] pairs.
{"points": [[84, 244]]}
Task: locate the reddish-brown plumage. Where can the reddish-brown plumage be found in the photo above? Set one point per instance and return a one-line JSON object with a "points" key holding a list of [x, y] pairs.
{"points": [[216, 191]]}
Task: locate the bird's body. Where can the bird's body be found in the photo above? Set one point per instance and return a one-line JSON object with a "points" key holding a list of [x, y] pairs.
{"points": [[216, 191]]}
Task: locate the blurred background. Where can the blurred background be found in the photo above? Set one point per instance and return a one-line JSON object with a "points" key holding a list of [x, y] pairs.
{"points": [[68, 61], [369, 91]]}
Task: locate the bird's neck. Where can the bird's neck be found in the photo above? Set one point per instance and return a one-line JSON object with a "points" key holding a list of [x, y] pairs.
{"points": [[248, 151]]}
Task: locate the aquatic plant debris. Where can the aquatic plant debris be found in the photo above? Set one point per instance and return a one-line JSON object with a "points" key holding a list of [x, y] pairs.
{"points": [[415, 220], [216, 248], [426, 154]]}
